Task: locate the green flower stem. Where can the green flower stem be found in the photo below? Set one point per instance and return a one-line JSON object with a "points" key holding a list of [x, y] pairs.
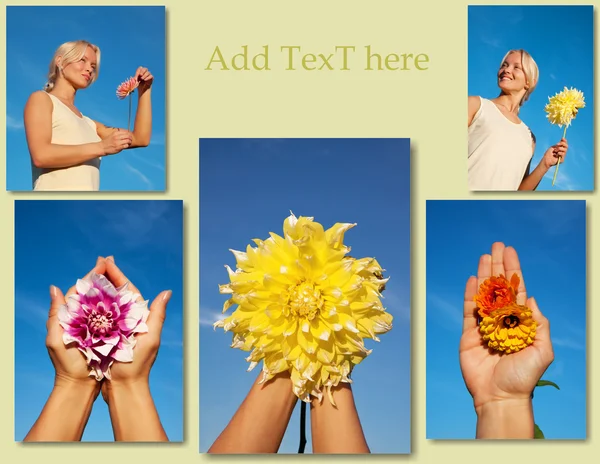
{"points": [[129, 118], [558, 164]]}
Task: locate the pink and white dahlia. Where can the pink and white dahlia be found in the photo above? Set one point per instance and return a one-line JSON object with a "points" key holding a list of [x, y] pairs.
{"points": [[126, 87], [102, 321]]}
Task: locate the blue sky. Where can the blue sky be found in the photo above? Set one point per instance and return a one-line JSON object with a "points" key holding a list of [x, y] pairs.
{"points": [[56, 243], [550, 239], [33, 34], [560, 39], [247, 189]]}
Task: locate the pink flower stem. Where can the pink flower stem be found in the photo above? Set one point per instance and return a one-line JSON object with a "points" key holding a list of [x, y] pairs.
{"points": [[558, 164]]}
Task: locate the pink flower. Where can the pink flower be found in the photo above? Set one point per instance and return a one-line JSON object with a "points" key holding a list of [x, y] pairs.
{"points": [[102, 321], [126, 88]]}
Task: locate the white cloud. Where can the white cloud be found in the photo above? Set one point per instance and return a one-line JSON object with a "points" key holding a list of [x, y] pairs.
{"points": [[13, 123], [451, 311], [140, 175]]}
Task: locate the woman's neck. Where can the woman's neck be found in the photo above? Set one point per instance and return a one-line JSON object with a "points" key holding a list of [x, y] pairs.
{"points": [[64, 91], [511, 102]]}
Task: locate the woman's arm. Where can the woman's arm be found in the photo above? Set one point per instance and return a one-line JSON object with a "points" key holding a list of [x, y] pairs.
{"points": [[337, 429], [550, 158], [142, 126], [474, 104], [38, 130], [505, 419], [259, 423], [132, 411], [66, 412]]}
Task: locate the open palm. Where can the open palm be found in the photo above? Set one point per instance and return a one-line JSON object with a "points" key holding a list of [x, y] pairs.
{"points": [[490, 375]]}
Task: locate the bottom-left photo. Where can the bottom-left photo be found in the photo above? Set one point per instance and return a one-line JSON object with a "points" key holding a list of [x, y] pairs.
{"points": [[98, 320]]}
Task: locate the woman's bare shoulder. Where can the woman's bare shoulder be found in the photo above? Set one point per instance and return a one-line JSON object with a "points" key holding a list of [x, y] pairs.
{"points": [[39, 97]]}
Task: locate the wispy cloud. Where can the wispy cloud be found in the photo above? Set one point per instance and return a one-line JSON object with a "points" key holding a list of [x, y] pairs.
{"points": [[495, 43], [32, 311], [13, 123], [451, 311], [140, 175], [148, 162], [568, 343], [209, 316], [395, 305], [157, 139]]}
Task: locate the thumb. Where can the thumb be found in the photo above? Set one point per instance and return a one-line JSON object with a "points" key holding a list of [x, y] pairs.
{"points": [[542, 335], [158, 310], [57, 299]]}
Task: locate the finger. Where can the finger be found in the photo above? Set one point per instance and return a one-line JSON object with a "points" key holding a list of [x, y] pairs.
{"points": [[513, 266], [469, 307], [99, 268], [498, 259], [57, 299], [484, 271], [158, 312], [116, 276], [542, 333], [138, 72]]}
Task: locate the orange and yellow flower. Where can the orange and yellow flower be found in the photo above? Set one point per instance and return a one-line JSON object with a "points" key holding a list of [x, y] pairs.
{"points": [[508, 329], [496, 293]]}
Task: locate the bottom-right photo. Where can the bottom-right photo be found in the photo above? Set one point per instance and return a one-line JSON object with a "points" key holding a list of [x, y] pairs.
{"points": [[506, 319]]}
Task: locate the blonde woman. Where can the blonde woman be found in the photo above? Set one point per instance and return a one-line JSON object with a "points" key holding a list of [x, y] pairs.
{"points": [[501, 146], [65, 146]]}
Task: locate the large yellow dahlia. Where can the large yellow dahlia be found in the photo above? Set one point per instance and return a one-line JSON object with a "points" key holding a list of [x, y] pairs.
{"points": [[305, 307], [563, 106], [508, 329]]}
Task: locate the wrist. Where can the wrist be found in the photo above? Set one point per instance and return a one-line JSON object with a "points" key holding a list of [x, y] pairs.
{"points": [[506, 418], [80, 387], [101, 149]]}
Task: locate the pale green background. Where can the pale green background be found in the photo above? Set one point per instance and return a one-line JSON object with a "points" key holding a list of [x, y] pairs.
{"points": [[429, 107]]}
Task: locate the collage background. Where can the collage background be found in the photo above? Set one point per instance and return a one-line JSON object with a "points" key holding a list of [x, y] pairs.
{"points": [[428, 107]]}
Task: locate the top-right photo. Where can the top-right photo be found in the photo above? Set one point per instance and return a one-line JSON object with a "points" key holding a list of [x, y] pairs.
{"points": [[531, 98]]}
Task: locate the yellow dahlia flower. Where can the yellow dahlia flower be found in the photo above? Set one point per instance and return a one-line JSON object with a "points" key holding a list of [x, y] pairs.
{"points": [[563, 107], [508, 329], [305, 307]]}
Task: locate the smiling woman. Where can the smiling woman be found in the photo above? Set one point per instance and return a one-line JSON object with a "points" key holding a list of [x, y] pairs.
{"points": [[64, 145], [501, 146]]}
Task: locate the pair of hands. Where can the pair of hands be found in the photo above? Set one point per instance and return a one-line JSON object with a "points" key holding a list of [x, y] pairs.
{"points": [[491, 377], [555, 153], [69, 363], [122, 139]]}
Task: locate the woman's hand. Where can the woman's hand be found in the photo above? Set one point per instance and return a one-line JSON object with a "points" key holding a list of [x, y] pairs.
{"points": [[147, 344], [132, 410], [489, 376], [143, 76], [555, 152], [116, 141], [69, 363]]}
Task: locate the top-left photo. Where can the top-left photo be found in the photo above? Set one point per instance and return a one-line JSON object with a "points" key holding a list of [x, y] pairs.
{"points": [[85, 98]]}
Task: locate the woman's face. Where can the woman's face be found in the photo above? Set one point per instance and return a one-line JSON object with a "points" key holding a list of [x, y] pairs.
{"points": [[80, 73], [511, 76]]}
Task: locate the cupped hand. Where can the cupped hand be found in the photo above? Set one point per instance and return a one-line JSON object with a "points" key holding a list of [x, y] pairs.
{"points": [[556, 152], [69, 363], [117, 141], [145, 79], [489, 375], [147, 344]]}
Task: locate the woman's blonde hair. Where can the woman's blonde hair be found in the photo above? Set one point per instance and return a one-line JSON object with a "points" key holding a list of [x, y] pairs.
{"points": [[70, 52], [530, 69]]}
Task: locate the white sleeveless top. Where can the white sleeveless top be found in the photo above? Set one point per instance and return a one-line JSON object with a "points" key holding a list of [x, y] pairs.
{"points": [[69, 129], [499, 150]]}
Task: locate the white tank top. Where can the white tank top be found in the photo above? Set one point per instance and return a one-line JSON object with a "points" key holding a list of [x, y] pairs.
{"points": [[69, 129], [499, 150]]}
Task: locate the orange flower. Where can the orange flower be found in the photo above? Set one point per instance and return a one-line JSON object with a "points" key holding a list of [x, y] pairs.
{"points": [[496, 293]]}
